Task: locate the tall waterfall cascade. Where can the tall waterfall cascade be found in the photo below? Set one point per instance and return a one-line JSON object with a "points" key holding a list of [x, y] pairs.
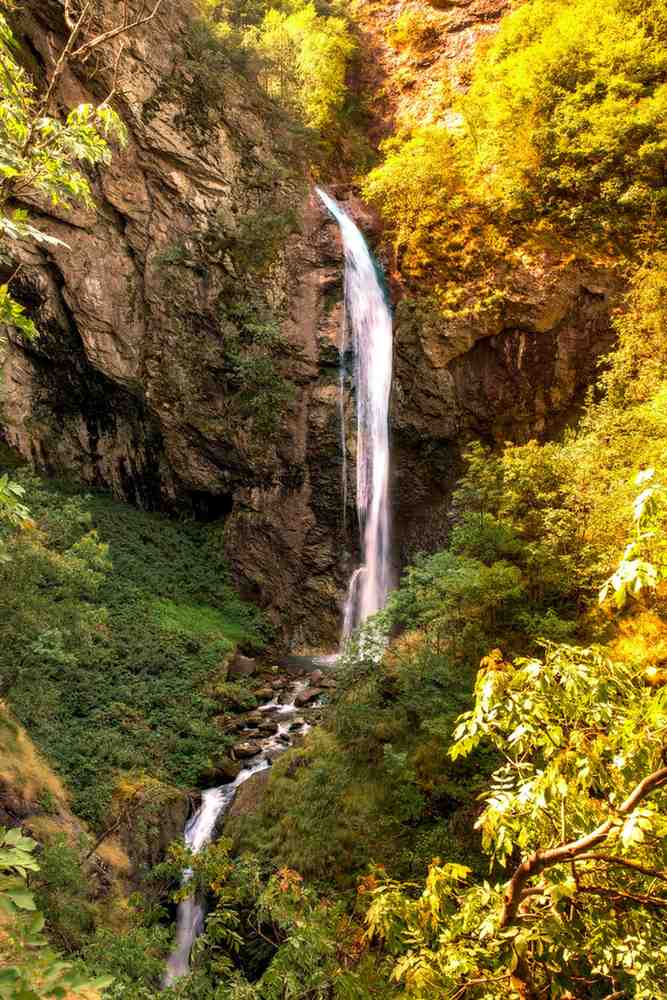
{"points": [[369, 322]]}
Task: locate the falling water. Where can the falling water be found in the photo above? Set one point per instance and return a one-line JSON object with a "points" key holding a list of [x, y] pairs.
{"points": [[370, 322], [199, 833], [201, 828]]}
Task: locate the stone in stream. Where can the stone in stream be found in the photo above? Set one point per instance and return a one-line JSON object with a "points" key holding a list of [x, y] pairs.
{"points": [[307, 696], [264, 694], [268, 727], [297, 724], [242, 666], [220, 771], [247, 749]]}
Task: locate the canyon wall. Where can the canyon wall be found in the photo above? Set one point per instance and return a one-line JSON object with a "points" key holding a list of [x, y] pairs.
{"points": [[206, 239]]}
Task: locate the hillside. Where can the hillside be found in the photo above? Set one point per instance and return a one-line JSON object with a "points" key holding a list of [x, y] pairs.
{"points": [[333, 500]]}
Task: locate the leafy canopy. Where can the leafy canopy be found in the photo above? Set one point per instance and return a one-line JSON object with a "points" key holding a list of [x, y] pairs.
{"points": [[581, 798]]}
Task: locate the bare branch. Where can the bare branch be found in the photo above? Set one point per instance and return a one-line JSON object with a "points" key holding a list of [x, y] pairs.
{"points": [[69, 20], [616, 895], [60, 66], [539, 861], [114, 84], [84, 50], [612, 859]]}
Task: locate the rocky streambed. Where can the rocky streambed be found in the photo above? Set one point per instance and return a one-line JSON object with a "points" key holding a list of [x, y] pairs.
{"points": [[286, 700], [289, 699]]}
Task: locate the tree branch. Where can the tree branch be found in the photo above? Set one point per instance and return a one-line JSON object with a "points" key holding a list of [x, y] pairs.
{"points": [[612, 859], [541, 860], [84, 50], [60, 65], [655, 902]]}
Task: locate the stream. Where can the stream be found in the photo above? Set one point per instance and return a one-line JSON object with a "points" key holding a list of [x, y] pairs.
{"points": [[215, 802]]}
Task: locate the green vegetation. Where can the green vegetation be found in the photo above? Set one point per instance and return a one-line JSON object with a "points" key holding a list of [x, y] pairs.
{"points": [[116, 621], [483, 812], [558, 136], [304, 60], [561, 891], [44, 155], [29, 969], [296, 51]]}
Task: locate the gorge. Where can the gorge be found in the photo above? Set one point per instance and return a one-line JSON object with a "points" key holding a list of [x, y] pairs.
{"points": [[318, 315]]}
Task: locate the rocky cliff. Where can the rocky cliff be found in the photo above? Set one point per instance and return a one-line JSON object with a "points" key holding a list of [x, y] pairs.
{"points": [[188, 357]]}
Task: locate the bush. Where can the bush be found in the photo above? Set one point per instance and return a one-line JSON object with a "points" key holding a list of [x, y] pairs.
{"points": [[115, 621]]}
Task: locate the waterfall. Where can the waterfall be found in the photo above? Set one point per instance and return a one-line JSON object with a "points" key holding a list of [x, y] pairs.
{"points": [[370, 323], [198, 833], [200, 830]]}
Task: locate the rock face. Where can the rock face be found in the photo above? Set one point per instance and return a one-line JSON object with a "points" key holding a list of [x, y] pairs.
{"points": [[206, 243], [519, 373], [204, 236]]}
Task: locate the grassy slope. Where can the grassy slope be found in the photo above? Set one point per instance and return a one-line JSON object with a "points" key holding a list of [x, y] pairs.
{"points": [[114, 626]]}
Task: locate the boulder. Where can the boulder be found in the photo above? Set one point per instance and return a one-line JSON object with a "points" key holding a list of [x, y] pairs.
{"points": [[297, 724], [307, 696], [242, 666], [269, 727], [220, 771], [248, 748], [264, 694]]}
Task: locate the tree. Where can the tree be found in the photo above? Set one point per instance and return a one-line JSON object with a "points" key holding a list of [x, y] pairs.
{"points": [[577, 814], [29, 969], [305, 57]]}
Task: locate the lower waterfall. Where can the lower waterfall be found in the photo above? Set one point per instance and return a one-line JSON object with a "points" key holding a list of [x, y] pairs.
{"points": [[200, 831]]}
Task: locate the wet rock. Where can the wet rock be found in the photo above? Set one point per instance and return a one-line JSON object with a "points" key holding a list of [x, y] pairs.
{"points": [[229, 725], [247, 749], [297, 724], [220, 772], [269, 727], [307, 696], [248, 797], [264, 694], [316, 678], [242, 666]]}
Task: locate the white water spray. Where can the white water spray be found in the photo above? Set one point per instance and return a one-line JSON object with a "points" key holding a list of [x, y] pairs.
{"points": [[200, 829], [199, 833], [370, 323]]}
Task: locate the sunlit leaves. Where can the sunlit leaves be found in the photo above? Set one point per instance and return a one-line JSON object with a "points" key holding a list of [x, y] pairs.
{"points": [[29, 970], [42, 157], [635, 572], [305, 57], [578, 733]]}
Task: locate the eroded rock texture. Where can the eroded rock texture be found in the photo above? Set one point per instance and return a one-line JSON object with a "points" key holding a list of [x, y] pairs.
{"points": [[205, 240]]}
